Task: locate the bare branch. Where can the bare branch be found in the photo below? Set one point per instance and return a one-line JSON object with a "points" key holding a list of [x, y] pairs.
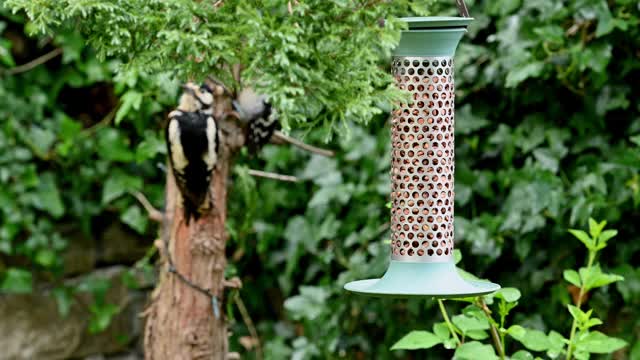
{"points": [[35, 62], [273, 176], [279, 137], [250, 326], [154, 214]]}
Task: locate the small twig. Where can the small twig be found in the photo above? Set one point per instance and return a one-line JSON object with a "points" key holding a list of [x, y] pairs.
{"points": [[154, 214], [279, 136], [449, 324], [249, 323], [274, 176], [497, 343], [35, 62], [382, 229], [106, 120]]}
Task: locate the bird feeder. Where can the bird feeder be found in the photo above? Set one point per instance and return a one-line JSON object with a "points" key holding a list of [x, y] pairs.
{"points": [[422, 168]]}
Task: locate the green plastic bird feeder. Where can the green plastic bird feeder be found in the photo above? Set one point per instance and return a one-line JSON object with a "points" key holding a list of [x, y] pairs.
{"points": [[422, 169]]}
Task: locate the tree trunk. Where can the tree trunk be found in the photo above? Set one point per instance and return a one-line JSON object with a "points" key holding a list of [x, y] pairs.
{"points": [[181, 323]]}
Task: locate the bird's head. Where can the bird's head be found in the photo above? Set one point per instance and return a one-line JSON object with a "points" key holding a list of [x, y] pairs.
{"points": [[196, 98], [250, 104]]}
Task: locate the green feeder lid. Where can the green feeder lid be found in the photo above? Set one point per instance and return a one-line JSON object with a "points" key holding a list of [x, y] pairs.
{"points": [[417, 279], [431, 36], [430, 22]]}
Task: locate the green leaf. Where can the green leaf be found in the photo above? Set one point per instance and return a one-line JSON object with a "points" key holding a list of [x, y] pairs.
{"points": [[112, 145], [522, 355], [556, 344], [131, 100], [101, 317], [467, 323], [17, 281], [595, 228], [309, 305], [604, 237], [64, 299], [572, 277], [599, 343], [509, 294], [522, 72], [516, 331], [42, 139], [441, 330], [477, 334], [457, 256], [417, 340], [534, 340], [45, 257], [117, 184], [47, 196], [584, 237], [630, 287], [577, 314], [593, 277], [474, 350], [134, 217]]}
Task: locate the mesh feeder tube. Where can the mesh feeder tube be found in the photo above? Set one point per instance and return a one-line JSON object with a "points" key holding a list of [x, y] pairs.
{"points": [[422, 169]]}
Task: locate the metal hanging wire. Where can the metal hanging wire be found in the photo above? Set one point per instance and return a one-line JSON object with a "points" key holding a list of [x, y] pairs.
{"points": [[462, 8]]}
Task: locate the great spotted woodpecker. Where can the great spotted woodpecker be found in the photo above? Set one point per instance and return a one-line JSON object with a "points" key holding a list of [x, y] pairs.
{"points": [[192, 143], [261, 118]]}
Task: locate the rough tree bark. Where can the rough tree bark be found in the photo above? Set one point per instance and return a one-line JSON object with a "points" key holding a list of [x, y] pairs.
{"points": [[181, 324]]}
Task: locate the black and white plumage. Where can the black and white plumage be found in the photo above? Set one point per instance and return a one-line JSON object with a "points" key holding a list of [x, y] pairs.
{"points": [[192, 144], [261, 118]]}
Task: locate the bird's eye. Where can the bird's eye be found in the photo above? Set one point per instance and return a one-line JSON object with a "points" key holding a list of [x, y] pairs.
{"points": [[205, 88]]}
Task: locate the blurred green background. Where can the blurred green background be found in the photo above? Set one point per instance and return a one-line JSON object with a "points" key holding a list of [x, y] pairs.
{"points": [[548, 134]]}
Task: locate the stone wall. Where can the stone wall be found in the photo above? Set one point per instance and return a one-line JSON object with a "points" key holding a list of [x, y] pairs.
{"points": [[32, 328]]}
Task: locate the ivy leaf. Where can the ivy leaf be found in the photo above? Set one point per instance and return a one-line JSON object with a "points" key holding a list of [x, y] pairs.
{"points": [[599, 343], [117, 184], [113, 146], [47, 196], [417, 339], [522, 72], [309, 304], [474, 350], [131, 100], [42, 139], [101, 316], [17, 281], [45, 257], [64, 299]]}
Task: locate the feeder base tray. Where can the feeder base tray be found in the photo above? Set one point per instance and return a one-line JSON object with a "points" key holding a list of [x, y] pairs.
{"points": [[415, 279]]}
